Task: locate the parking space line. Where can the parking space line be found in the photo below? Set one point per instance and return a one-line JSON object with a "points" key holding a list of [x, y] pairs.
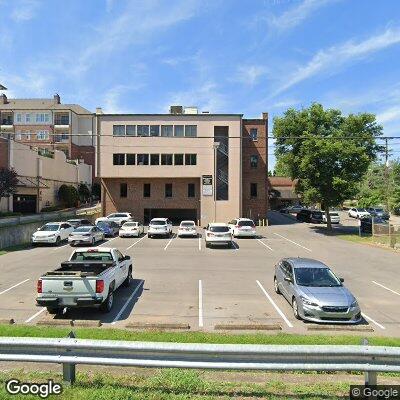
{"points": [[169, 242], [288, 323], [108, 241], [291, 241], [60, 247], [127, 302], [35, 315], [200, 243], [12, 287], [265, 245], [137, 241], [374, 322], [390, 290], [235, 246], [200, 304]]}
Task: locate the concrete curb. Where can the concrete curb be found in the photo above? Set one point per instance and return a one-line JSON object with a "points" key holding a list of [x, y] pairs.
{"points": [[248, 327], [68, 322], [357, 328], [157, 326], [9, 321]]}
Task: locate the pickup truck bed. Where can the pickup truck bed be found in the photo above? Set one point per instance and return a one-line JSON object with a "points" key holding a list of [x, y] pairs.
{"points": [[88, 268]]}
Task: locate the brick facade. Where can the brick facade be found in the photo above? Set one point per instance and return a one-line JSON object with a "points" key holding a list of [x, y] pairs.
{"points": [[3, 153], [86, 153], [255, 207]]}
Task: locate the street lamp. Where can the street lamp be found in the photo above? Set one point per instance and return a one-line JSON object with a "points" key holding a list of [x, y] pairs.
{"points": [[215, 147]]}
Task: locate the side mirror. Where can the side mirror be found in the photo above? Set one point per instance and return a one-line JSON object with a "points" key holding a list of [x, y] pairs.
{"points": [[341, 280], [287, 279], [126, 258]]}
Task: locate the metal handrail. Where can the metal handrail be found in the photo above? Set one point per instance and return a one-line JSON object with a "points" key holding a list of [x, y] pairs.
{"points": [[70, 351]]}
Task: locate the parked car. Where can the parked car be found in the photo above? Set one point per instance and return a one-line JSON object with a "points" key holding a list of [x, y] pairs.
{"points": [[187, 228], [131, 229], [52, 233], [89, 278], [109, 228], [367, 222], [120, 218], [159, 227], [218, 234], [78, 222], [378, 212], [242, 227], [314, 292], [86, 235], [291, 209], [314, 216], [358, 213], [335, 217]]}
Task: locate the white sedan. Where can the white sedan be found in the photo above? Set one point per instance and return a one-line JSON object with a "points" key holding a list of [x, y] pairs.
{"points": [[131, 229], [218, 234], [187, 228], [120, 218], [358, 213], [52, 233], [242, 227], [86, 235]]}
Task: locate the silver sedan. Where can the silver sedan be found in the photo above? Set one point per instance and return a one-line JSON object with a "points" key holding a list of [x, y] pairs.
{"points": [[314, 292], [88, 235]]}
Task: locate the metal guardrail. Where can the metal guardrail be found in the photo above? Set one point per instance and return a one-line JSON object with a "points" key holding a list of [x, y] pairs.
{"points": [[70, 351]]}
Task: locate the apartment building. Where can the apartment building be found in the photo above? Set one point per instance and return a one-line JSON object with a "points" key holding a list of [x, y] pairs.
{"points": [[48, 125], [39, 176], [183, 165]]}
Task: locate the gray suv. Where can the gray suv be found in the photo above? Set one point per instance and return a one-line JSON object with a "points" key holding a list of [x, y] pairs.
{"points": [[314, 292]]}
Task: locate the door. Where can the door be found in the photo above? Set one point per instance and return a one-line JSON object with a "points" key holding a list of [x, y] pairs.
{"points": [[287, 286], [122, 270]]}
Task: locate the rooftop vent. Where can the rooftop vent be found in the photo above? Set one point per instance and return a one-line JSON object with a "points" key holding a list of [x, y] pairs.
{"points": [[191, 110], [57, 99], [176, 110]]}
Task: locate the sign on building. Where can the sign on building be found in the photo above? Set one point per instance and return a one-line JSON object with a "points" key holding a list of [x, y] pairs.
{"points": [[207, 185]]}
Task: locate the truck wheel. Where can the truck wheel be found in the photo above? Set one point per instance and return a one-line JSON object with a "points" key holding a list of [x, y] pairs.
{"points": [[53, 310], [107, 305], [128, 279], [58, 241]]}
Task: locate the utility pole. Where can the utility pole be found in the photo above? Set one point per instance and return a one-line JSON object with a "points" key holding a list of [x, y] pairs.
{"points": [[387, 174]]}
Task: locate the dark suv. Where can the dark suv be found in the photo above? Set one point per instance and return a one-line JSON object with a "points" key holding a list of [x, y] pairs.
{"points": [[314, 216]]}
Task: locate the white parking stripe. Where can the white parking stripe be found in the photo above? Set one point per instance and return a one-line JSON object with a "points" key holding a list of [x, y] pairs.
{"points": [[288, 323], [108, 241], [291, 241], [200, 304], [35, 315], [12, 287], [169, 242], [374, 322], [265, 245], [200, 243], [60, 247], [127, 302], [390, 290], [137, 241], [235, 246]]}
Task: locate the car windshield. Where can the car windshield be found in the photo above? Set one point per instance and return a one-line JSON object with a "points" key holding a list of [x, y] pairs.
{"points": [[218, 228], [378, 210], [158, 223], [316, 277], [130, 224], [103, 224], [333, 214], [91, 256], [187, 224], [83, 229], [246, 223], [361, 210], [50, 227], [117, 216]]}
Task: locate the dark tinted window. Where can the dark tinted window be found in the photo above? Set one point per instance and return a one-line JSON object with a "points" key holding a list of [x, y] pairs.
{"points": [[254, 161], [167, 130], [190, 130], [142, 159], [131, 130], [119, 130], [191, 190], [123, 190], [246, 223], [154, 159], [253, 189], [142, 130], [168, 190], [218, 229], [154, 130], [190, 159], [166, 159], [179, 130], [130, 159], [118, 159], [146, 189], [316, 277], [178, 159]]}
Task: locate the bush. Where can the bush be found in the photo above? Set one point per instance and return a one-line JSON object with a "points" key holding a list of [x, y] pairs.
{"points": [[9, 214], [68, 195], [84, 192], [96, 190], [51, 208]]}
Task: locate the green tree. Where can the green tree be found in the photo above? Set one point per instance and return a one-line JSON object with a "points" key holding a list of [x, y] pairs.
{"points": [[96, 190], [8, 182], [326, 151], [68, 195], [281, 166], [84, 192]]}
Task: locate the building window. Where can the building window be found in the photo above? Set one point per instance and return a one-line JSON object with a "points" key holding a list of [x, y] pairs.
{"points": [[28, 118], [42, 135], [131, 130], [154, 130], [167, 130], [130, 159], [118, 130], [142, 159], [166, 159], [123, 190], [253, 161], [190, 130], [154, 159], [190, 159], [18, 136], [42, 117], [143, 130], [179, 130], [178, 159], [19, 117], [118, 159], [191, 190], [168, 190], [146, 190], [26, 136], [254, 134], [253, 190], [46, 118]]}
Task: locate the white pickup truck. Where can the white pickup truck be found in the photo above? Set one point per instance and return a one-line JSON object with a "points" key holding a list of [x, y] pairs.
{"points": [[89, 278]]}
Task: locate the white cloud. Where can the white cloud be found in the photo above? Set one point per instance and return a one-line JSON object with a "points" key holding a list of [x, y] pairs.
{"points": [[333, 58], [296, 15], [24, 10], [112, 98], [250, 74], [388, 115]]}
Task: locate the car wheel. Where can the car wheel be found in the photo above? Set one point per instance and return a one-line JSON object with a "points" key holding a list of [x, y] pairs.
{"points": [[58, 241], [276, 286], [207, 245], [107, 305], [295, 309], [128, 279]]}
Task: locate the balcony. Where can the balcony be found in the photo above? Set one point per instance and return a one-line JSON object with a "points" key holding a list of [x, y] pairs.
{"points": [[63, 138], [6, 121], [61, 121]]}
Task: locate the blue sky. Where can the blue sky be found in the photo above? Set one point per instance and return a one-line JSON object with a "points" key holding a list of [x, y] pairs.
{"points": [[223, 56]]}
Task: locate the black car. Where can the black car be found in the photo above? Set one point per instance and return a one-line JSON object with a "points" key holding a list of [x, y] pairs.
{"points": [[378, 212], [76, 222], [314, 216], [366, 223]]}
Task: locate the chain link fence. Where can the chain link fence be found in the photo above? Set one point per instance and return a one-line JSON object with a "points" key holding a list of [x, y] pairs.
{"points": [[387, 234]]}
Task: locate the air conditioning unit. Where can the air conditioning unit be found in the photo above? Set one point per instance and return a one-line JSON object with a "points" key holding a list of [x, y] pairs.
{"points": [[191, 110], [176, 110]]}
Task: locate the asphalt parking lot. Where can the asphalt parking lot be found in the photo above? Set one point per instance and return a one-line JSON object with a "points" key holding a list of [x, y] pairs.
{"points": [[179, 281]]}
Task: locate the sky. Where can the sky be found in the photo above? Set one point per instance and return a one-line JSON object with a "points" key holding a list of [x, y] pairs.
{"points": [[223, 56]]}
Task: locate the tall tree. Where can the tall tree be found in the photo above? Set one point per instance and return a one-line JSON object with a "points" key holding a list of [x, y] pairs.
{"points": [[281, 167], [8, 182], [326, 151]]}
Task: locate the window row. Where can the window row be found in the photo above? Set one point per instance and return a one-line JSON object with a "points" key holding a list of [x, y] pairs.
{"points": [[40, 135], [168, 190], [154, 159], [27, 118], [155, 130]]}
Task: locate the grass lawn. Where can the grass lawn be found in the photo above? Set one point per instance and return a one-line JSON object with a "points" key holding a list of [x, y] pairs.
{"points": [[14, 248], [357, 239]]}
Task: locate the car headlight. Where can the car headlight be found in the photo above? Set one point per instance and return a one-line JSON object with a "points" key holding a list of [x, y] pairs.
{"points": [[308, 302], [354, 304]]}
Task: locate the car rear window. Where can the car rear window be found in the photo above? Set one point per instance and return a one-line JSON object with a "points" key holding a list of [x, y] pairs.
{"points": [[334, 214], [92, 256], [83, 229], [187, 223], [246, 223], [219, 229], [119, 215], [158, 223], [130, 224], [50, 227]]}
